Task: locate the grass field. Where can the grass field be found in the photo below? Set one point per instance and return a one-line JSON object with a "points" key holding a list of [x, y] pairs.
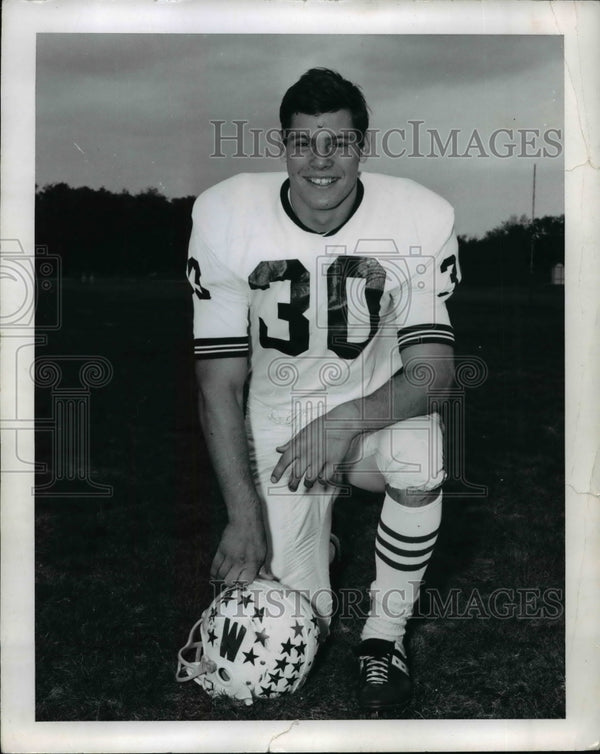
{"points": [[120, 580]]}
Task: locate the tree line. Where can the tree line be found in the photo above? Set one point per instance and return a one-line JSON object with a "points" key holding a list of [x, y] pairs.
{"points": [[99, 232], [517, 252]]}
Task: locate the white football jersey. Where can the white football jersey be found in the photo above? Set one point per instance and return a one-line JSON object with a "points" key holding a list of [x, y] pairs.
{"points": [[321, 317]]}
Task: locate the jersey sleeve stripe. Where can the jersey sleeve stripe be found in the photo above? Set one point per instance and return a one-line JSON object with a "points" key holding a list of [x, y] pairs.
{"points": [[427, 333], [241, 340], [221, 355], [213, 348]]}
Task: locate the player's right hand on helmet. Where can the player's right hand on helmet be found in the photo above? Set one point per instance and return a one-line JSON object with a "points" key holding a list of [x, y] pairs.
{"points": [[241, 553]]}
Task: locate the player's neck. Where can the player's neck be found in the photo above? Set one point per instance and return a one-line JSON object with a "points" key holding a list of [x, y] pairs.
{"points": [[324, 220]]}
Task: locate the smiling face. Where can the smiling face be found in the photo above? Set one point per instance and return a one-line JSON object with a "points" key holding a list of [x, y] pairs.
{"points": [[322, 159]]}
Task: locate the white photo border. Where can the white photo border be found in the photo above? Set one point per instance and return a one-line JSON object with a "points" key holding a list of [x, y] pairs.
{"points": [[578, 22]]}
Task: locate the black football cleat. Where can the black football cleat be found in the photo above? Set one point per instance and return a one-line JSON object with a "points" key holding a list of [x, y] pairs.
{"points": [[384, 681]]}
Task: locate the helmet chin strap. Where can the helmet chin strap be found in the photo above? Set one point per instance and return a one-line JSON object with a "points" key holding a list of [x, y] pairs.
{"points": [[186, 670]]}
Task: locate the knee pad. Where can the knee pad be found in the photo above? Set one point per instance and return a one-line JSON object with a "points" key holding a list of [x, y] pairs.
{"points": [[409, 454]]}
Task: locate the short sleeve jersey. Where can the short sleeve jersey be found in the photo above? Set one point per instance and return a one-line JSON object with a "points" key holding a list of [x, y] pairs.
{"points": [[319, 315]]}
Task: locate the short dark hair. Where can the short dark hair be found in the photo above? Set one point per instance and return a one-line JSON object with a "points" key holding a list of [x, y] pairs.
{"points": [[321, 90]]}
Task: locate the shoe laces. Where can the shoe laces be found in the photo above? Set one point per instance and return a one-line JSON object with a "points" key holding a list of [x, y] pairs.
{"points": [[376, 669]]}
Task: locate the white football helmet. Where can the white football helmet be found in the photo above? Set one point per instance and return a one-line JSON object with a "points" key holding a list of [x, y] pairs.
{"points": [[254, 641]]}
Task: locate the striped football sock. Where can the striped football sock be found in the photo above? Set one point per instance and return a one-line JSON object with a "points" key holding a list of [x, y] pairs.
{"points": [[405, 540]]}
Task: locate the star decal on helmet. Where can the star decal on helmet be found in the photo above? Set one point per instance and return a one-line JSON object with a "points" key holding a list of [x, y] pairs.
{"points": [[266, 691], [297, 666], [245, 599], [250, 656], [291, 681], [275, 677], [259, 612], [227, 596], [297, 629], [281, 664], [212, 637], [261, 636], [286, 647], [300, 648]]}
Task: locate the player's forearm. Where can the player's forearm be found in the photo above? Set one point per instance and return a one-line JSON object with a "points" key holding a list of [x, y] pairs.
{"points": [[395, 401], [407, 394], [222, 419]]}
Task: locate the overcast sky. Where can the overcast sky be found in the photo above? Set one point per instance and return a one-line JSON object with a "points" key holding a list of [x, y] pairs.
{"points": [[131, 111]]}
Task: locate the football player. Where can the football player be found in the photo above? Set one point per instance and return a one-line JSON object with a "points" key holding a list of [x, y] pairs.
{"points": [[323, 291]]}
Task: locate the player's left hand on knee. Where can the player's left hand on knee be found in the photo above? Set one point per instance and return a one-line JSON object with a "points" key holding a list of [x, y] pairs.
{"points": [[313, 454], [329, 476]]}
